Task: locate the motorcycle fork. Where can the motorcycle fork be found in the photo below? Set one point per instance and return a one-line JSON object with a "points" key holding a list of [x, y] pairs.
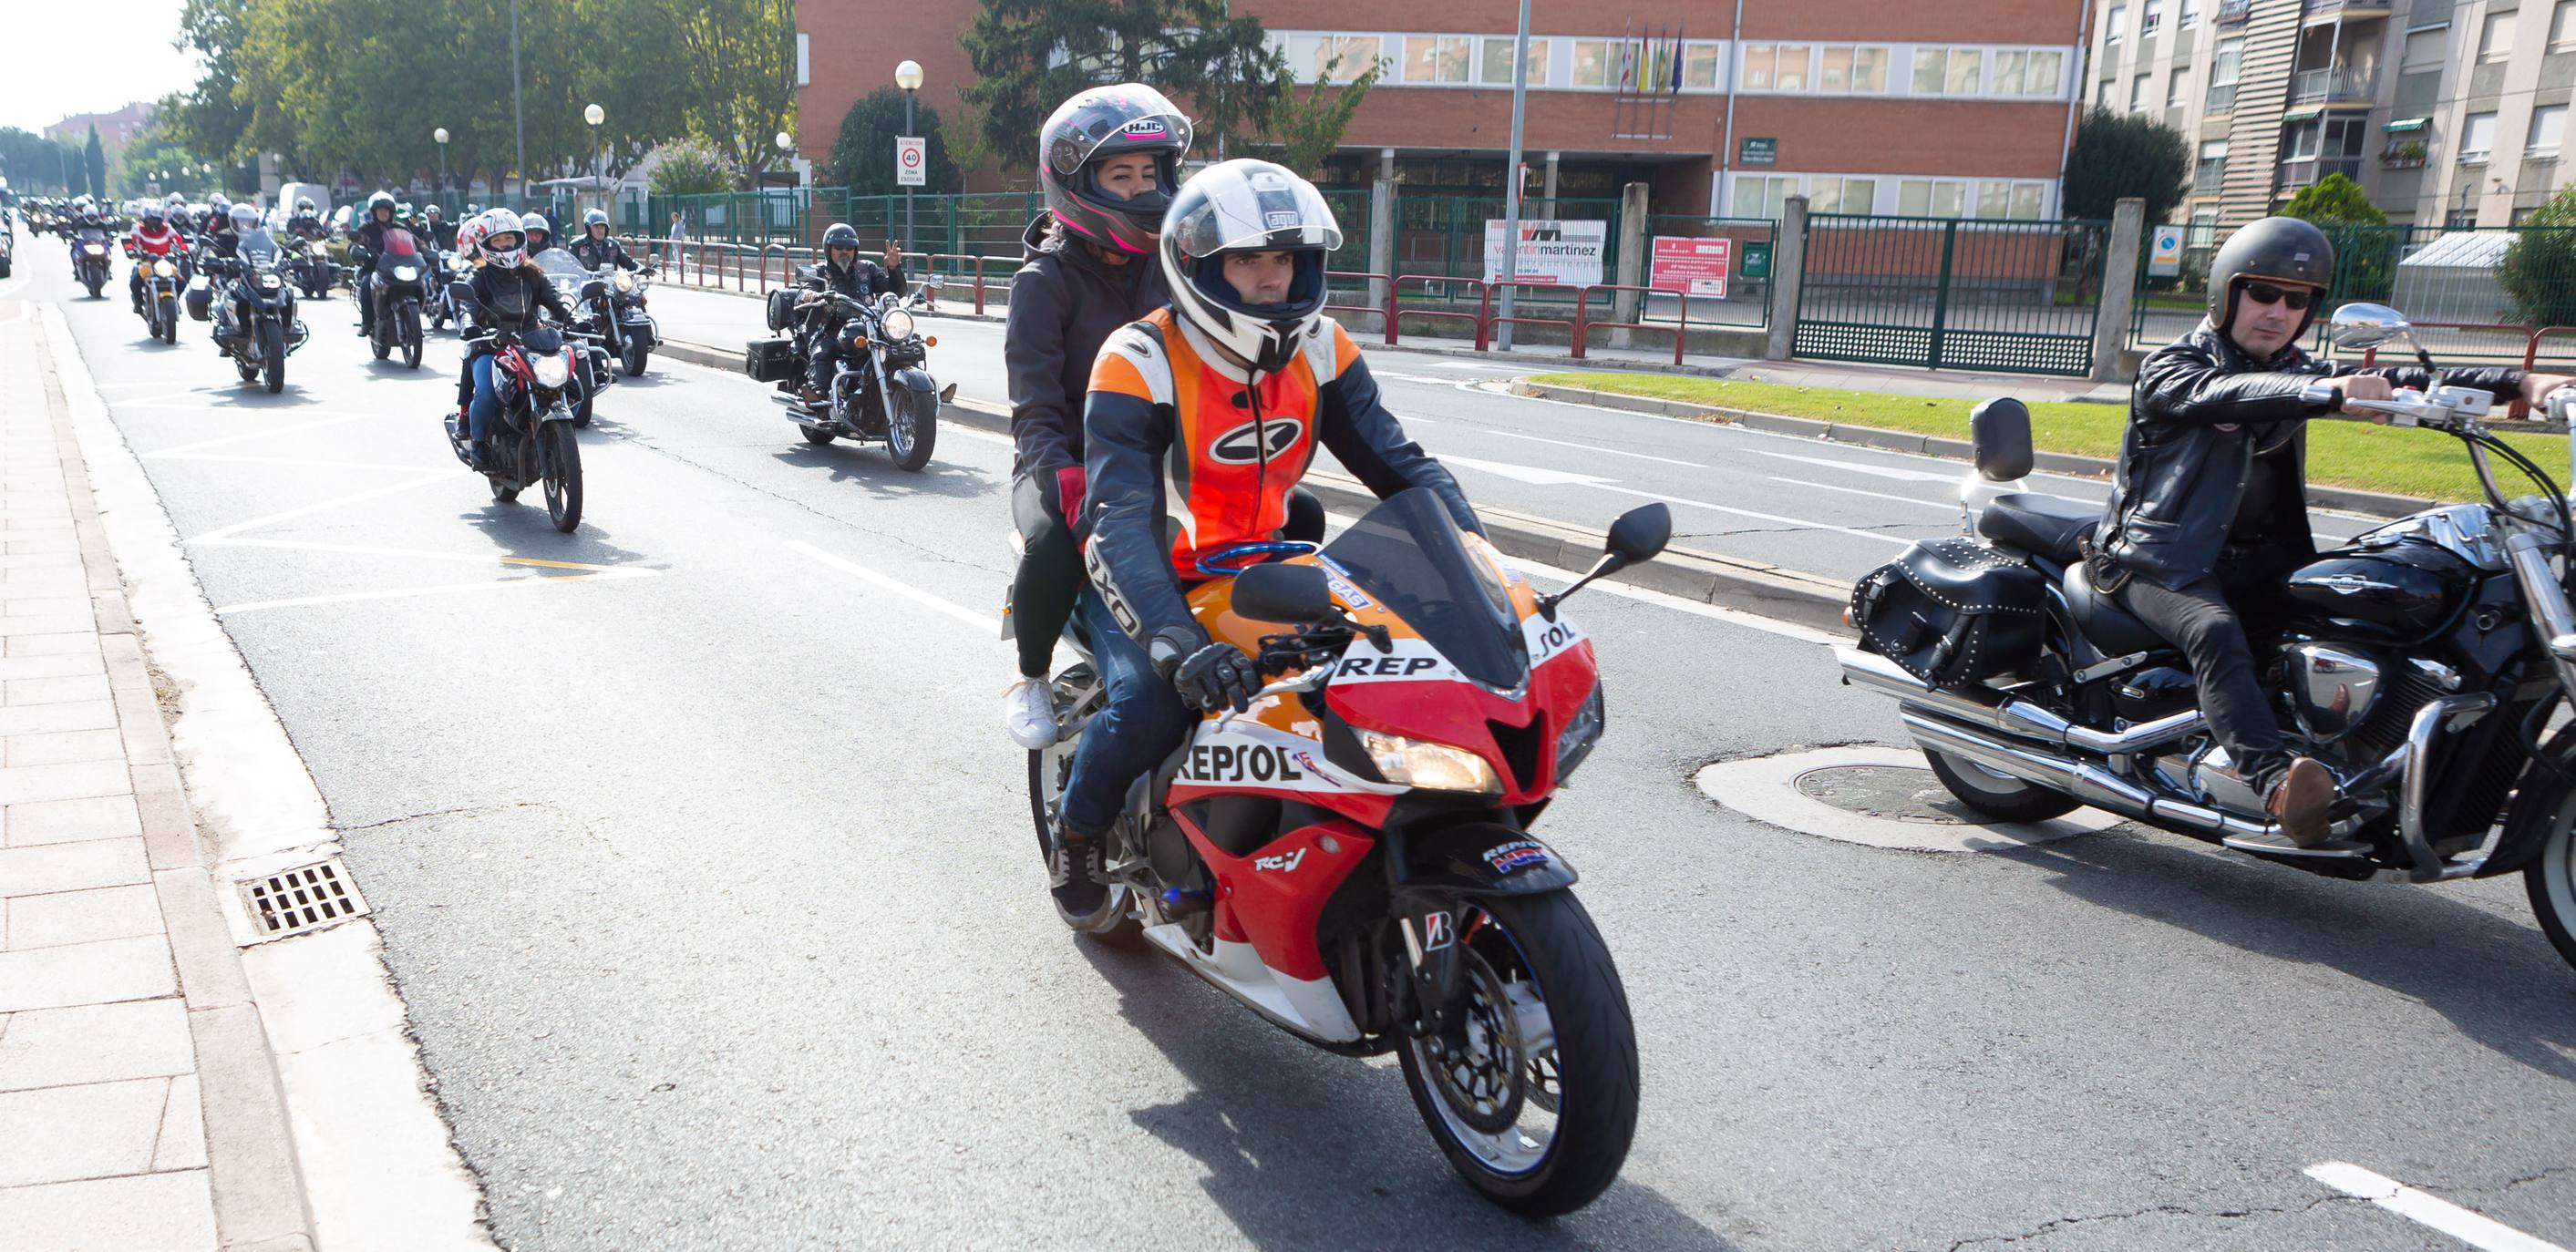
{"points": [[1427, 996]]}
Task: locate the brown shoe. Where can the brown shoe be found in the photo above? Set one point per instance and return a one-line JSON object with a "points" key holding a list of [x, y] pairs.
{"points": [[811, 397], [2299, 802]]}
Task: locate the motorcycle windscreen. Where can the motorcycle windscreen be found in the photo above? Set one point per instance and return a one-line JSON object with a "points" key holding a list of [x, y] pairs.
{"points": [[542, 341], [1410, 555], [400, 243], [259, 250]]}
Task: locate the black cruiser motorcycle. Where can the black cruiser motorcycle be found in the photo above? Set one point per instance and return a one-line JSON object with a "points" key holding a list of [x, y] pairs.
{"points": [[2422, 662]]}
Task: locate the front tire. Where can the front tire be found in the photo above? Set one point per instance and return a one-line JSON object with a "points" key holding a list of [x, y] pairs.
{"points": [[272, 356], [635, 357], [169, 306], [1999, 796], [410, 327], [1533, 963], [2550, 880], [911, 432], [563, 476]]}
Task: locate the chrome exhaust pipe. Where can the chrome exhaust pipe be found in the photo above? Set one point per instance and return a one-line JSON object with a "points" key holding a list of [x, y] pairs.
{"points": [[2020, 719], [2087, 783]]}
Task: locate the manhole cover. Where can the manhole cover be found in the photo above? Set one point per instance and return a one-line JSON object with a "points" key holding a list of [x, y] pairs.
{"points": [[1892, 791], [1879, 797]]}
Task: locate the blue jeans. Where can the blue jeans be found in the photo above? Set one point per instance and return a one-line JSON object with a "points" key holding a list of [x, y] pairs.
{"points": [[1143, 722], [486, 407]]}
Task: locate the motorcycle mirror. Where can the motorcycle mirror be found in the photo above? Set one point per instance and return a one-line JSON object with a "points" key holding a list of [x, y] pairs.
{"points": [[1999, 436], [1283, 593], [1640, 534], [2360, 326]]}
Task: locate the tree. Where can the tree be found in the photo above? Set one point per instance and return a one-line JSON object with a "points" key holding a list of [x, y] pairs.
{"points": [[863, 155], [204, 118], [1307, 128], [2365, 248], [94, 160], [2539, 267], [148, 155], [688, 169], [1029, 55], [34, 163], [2117, 156], [738, 61]]}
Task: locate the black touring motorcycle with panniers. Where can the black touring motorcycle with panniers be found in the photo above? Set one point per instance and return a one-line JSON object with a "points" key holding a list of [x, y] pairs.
{"points": [[251, 302], [882, 391], [2422, 662]]}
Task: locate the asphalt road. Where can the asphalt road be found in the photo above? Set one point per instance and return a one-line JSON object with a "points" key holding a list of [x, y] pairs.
{"points": [[707, 878]]}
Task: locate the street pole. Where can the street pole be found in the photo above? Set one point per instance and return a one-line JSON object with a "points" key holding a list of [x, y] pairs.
{"points": [[908, 94], [1511, 263], [440, 134], [518, 124]]}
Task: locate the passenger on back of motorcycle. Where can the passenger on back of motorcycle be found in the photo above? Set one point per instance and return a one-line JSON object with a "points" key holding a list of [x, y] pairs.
{"points": [[540, 232], [2207, 511], [843, 273], [596, 248], [509, 292]]}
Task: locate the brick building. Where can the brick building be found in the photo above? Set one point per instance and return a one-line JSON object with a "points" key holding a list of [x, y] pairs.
{"points": [[1958, 108], [115, 130], [2447, 112]]}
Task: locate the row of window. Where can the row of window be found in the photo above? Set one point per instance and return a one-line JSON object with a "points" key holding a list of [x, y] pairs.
{"points": [[2541, 142], [2151, 18], [2423, 51], [1761, 195], [1577, 63]]}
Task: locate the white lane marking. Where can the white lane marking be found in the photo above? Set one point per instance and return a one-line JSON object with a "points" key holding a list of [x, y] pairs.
{"points": [[221, 440], [1874, 495], [517, 580], [426, 554], [983, 436], [1798, 522], [1460, 365], [1526, 473], [385, 467], [2440, 1214], [1715, 613], [1375, 372], [1639, 456], [1882, 471], [226, 532], [992, 626]]}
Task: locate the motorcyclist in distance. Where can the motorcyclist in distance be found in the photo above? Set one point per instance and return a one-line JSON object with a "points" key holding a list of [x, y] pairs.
{"points": [[540, 232], [509, 292], [366, 243], [597, 248], [842, 272], [154, 240]]}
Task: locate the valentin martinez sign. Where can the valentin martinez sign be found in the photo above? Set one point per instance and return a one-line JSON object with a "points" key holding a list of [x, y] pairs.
{"points": [[1550, 252]]}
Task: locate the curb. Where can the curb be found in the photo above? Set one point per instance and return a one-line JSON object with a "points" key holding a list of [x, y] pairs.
{"points": [[1751, 586], [2346, 499], [256, 1179]]}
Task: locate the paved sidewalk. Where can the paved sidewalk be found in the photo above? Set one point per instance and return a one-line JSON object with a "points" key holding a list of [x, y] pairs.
{"points": [[139, 1106]]}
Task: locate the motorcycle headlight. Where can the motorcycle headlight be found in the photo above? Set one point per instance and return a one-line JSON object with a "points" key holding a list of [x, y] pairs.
{"points": [[551, 371], [1580, 734], [898, 325], [626, 282], [1437, 766], [406, 273], [95, 249], [265, 281], [164, 269]]}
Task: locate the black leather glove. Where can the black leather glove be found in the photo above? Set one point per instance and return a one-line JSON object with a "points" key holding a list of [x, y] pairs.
{"points": [[1208, 675]]}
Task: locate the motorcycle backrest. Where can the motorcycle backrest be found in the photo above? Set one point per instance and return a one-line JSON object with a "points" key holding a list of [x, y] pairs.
{"points": [[1999, 435], [1283, 593]]}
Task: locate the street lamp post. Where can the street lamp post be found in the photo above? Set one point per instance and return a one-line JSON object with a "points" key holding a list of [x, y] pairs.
{"points": [[594, 115], [518, 125], [1511, 269], [908, 76], [440, 135]]}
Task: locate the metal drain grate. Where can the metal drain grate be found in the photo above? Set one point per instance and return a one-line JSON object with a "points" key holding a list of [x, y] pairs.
{"points": [[301, 900]]}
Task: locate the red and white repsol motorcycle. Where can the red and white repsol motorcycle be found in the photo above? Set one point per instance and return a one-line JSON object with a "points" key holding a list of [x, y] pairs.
{"points": [[1351, 856]]}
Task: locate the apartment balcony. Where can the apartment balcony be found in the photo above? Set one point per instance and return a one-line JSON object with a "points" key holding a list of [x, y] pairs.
{"points": [[2233, 12], [2333, 87], [2346, 10], [2298, 174]]}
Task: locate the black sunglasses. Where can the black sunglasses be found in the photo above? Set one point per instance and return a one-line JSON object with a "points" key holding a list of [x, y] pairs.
{"points": [[2266, 293]]}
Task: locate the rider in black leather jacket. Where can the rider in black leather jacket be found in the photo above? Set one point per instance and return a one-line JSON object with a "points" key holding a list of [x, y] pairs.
{"points": [[842, 272], [2207, 510], [597, 247]]}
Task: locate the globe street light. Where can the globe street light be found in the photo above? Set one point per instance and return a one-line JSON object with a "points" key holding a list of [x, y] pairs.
{"points": [[594, 115], [907, 75], [440, 135]]}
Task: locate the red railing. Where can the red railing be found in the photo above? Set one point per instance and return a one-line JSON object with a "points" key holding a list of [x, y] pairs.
{"points": [[1012, 265], [1573, 325], [1584, 323], [1481, 319], [1385, 311]]}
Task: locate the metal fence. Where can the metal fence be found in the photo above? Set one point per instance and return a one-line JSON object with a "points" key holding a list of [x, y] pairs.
{"points": [[2011, 296]]}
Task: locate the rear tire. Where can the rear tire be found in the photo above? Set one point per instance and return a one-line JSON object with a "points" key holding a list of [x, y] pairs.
{"points": [[272, 356], [816, 435], [1554, 944], [1998, 796], [562, 462]]}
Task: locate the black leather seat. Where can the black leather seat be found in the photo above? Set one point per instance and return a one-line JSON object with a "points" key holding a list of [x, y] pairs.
{"points": [[2037, 524], [2106, 625]]}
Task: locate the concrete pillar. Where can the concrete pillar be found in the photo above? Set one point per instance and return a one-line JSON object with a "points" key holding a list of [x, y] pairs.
{"points": [[1381, 246], [1632, 248], [1547, 207], [1788, 274], [2119, 287]]}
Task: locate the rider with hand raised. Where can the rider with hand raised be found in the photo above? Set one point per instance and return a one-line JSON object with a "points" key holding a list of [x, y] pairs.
{"points": [[844, 273]]}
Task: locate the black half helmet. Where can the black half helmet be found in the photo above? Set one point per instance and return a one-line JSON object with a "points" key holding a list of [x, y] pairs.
{"points": [[2274, 249]]}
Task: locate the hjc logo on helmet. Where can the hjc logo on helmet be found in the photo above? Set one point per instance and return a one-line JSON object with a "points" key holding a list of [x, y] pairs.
{"points": [[1146, 128], [1240, 446]]}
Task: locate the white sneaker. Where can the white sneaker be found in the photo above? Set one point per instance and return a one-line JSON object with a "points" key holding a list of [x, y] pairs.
{"points": [[1028, 714]]}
